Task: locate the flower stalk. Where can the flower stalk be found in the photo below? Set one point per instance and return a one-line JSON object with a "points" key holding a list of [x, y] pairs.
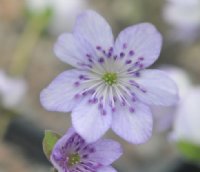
{"points": [[28, 40]]}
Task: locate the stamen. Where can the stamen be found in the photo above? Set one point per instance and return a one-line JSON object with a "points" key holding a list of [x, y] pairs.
{"points": [[110, 78], [73, 159]]}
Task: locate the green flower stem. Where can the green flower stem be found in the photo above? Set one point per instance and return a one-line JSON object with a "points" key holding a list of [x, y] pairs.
{"points": [[29, 38]]}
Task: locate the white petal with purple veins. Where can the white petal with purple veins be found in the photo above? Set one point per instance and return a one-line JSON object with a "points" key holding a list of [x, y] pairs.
{"points": [[139, 45], [69, 50], [94, 29], [63, 93], [134, 125], [90, 121], [158, 88]]}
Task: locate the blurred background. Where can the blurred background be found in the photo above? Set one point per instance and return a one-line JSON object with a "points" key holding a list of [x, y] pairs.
{"points": [[28, 31]]}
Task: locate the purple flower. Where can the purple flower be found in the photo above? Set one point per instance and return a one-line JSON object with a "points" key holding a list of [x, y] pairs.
{"points": [[110, 87], [72, 154]]}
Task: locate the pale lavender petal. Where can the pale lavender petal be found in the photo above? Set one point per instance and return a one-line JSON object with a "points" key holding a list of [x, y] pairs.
{"points": [[89, 121], [133, 124], [106, 169], [140, 44], [71, 51], [106, 151], [63, 93], [92, 28], [156, 88]]}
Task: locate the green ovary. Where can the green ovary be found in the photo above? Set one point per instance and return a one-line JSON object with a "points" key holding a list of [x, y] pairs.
{"points": [[73, 159], [110, 78]]}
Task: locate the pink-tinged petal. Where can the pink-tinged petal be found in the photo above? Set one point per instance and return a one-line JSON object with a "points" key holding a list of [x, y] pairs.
{"points": [[106, 169], [61, 94], [89, 121], [133, 124], [140, 43], [71, 51], [93, 29], [106, 151], [156, 88]]}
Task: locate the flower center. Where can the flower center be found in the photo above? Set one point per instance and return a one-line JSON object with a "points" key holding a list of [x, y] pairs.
{"points": [[110, 78], [73, 159]]}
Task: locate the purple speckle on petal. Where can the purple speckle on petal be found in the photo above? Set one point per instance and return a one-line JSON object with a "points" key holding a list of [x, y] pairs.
{"points": [[78, 149], [141, 58], [77, 96], [85, 156], [84, 93], [90, 60], [125, 46], [104, 52], [81, 77], [113, 109], [143, 90], [137, 74], [122, 54], [76, 84], [101, 60], [132, 110], [141, 66], [131, 53], [111, 49], [133, 99], [88, 55], [98, 47], [104, 112], [91, 150], [128, 61], [109, 55], [100, 106]]}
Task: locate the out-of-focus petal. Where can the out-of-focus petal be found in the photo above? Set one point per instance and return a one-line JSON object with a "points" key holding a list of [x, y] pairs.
{"points": [[186, 126]]}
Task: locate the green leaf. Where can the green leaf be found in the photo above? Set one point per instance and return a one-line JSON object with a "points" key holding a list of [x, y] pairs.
{"points": [[49, 141], [189, 150]]}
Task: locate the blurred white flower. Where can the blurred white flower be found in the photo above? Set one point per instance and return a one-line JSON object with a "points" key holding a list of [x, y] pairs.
{"points": [[64, 12], [187, 121], [184, 17], [12, 90], [164, 116]]}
